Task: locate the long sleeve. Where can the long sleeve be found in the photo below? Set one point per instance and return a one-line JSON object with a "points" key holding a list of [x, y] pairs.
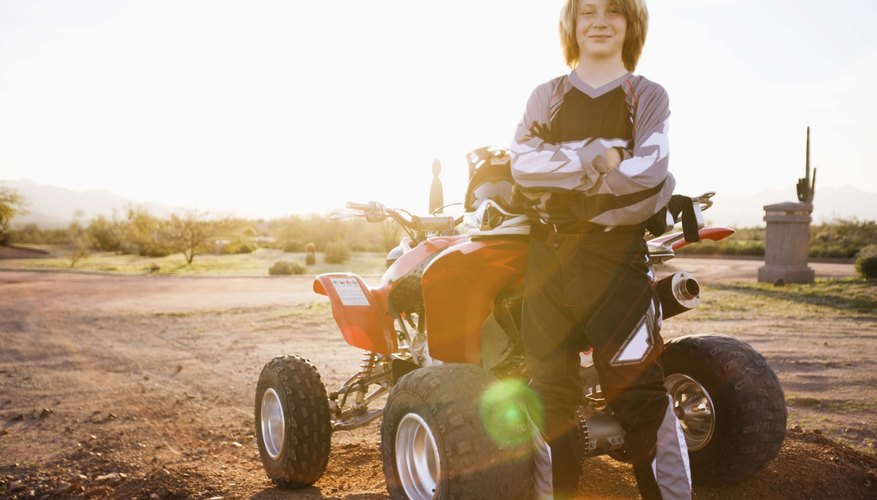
{"points": [[629, 194], [540, 163]]}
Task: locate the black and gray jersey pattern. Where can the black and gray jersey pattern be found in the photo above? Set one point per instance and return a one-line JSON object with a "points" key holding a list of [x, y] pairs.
{"points": [[558, 151]]}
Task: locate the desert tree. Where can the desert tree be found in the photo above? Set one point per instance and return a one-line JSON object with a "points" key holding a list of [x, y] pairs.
{"points": [[143, 233], [79, 240], [106, 233], [11, 203], [192, 233]]}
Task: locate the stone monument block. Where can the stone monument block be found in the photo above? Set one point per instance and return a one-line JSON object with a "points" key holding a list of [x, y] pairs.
{"points": [[786, 243]]}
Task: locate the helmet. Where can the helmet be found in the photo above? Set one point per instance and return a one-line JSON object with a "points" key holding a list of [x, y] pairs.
{"points": [[491, 205], [490, 219], [490, 177]]}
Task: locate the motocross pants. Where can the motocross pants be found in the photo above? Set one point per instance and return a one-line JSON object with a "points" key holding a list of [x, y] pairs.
{"points": [[594, 290]]}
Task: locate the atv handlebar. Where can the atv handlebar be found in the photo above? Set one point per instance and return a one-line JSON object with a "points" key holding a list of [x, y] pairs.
{"points": [[412, 224]]}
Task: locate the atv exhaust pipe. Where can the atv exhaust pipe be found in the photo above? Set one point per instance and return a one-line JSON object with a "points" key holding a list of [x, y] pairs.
{"points": [[678, 293]]}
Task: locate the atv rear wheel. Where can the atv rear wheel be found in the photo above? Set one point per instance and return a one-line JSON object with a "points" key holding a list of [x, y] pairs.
{"points": [[729, 403], [435, 444], [293, 429]]}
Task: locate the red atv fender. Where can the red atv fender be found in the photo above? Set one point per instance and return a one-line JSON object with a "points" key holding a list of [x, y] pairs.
{"points": [[677, 240], [358, 311], [459, 289], [362, 312]]}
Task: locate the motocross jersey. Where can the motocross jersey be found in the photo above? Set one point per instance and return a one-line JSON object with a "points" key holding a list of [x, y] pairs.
{"points": [[559, 147]]}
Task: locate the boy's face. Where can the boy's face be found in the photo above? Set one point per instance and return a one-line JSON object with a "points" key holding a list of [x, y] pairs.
{"points": [[600, 29]]}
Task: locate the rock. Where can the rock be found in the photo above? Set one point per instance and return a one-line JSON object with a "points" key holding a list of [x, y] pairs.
{"points": [[164, 473], [3, 432], [179, 368], [16, 486], [63, 487], [111, 478], [779, 282], [18, 418], [237, 445], [45, 412], [154, 496]]}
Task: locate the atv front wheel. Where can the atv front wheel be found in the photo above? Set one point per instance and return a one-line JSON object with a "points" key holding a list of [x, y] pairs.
{"points": [[729, 403], [293, 429], [440, 437]]}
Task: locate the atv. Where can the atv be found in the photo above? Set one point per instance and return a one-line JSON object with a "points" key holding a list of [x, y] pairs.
{"points": [[442, 364]]}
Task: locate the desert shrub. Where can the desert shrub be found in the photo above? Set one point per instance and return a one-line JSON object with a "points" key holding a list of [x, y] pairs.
{"points": [[336, 253], [866, 262], [282, 267], [842, 238], [32, 234], [310, 254], [293, 246], [106, 234], [724, 247], [155, 250], [238, 247]]}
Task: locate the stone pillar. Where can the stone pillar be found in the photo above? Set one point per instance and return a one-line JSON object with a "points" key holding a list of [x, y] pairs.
{"points": [[786, 242]]}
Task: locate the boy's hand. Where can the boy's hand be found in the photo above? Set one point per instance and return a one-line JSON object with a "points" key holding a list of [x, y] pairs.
{"points": [[613, 158], [607, 161], [542, 131]]}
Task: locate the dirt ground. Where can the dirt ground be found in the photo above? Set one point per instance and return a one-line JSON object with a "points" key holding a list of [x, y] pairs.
{"points": [[143, 387]]}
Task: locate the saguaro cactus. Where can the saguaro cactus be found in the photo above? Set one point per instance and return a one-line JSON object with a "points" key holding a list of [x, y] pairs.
{"points": [[806, 186]]}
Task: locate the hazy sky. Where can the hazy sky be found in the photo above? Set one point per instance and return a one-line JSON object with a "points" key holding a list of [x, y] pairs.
{"points": [[275, 107]]}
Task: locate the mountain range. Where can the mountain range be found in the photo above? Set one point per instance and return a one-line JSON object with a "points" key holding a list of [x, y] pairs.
{"points": [[52, 206], [829, 203]]}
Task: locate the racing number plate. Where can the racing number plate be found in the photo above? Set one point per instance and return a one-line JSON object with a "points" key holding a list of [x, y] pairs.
{"points": [[349, 291]]}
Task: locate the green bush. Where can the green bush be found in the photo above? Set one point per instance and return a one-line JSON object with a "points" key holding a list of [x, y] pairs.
{"points": [[292, 246], [238, 247], [336, 253], [866, 262], [842, 238], [282, 267]]}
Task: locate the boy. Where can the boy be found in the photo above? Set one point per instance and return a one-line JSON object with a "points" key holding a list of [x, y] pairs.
{"points": [[591, 157]]}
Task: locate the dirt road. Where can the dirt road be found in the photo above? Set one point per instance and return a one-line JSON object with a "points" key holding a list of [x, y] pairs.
{"points": [[142, 387]]}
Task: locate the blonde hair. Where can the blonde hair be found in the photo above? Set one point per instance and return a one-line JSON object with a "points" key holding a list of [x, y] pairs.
{"points": [[637, 16]]}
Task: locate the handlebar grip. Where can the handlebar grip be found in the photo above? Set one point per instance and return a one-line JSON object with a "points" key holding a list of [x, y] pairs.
{"points": [[359, 206], [434, 223]]}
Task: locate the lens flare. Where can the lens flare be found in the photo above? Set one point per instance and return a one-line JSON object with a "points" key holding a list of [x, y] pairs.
{"points": [[508, 409]]}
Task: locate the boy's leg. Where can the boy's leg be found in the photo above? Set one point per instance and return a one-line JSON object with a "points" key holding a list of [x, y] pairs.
{"points": [[555, 379], [553, 369], [624, 332]]}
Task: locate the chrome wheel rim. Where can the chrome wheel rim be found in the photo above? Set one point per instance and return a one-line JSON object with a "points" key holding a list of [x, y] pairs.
{"points": [[272, 423], [417, 458], [695, 409]]}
